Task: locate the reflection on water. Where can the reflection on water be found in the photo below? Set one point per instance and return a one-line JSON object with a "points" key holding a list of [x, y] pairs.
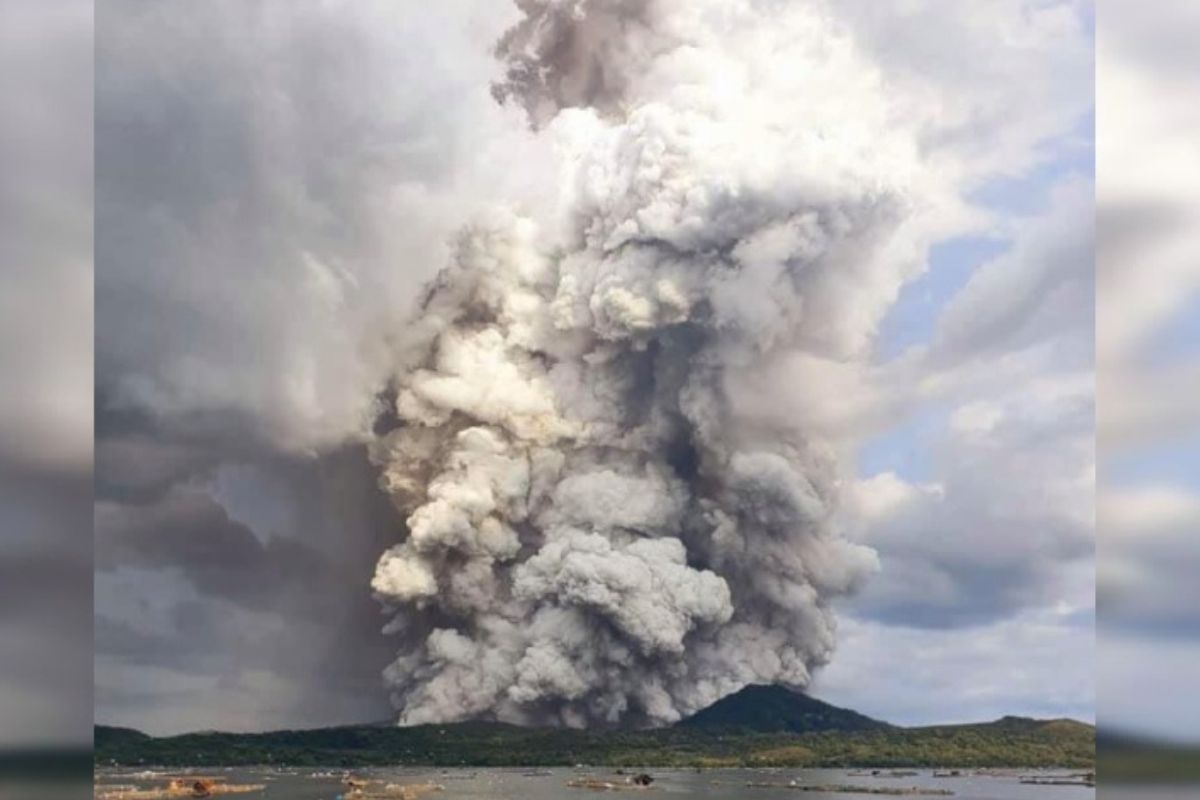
{"points": [[551, 784]]}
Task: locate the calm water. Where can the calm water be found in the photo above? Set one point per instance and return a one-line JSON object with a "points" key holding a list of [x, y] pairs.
{"points": [[518, 784]]}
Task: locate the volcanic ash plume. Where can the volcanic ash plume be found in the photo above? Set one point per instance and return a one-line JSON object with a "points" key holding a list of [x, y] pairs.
{"points": [[599, 530]]}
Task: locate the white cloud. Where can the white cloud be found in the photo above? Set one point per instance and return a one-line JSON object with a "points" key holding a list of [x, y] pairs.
{"points": [[1007, 505], [1036, 664], [1042, 289], [279, 180], [991, 82]]}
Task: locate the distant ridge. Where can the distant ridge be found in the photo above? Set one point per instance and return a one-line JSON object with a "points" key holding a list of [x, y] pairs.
{"points": [[775, 709], [756, 726]]}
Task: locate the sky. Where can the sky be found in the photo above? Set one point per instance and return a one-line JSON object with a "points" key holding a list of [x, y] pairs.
{"points": [[999, 638], [275, 184], [45, 355], [1005, 656], [1148, 294]]}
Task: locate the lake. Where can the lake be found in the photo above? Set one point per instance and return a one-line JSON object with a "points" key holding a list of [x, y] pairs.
{"points": [[551, 784]]}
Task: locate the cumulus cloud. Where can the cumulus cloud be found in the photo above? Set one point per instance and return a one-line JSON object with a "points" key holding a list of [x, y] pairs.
{"points": [[991, 534], [610, 428], [1040, 292], [677, 270], [1003, 507], [996, 85], [583, 355]]}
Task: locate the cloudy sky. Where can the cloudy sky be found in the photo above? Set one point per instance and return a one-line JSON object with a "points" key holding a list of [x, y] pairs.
{"points": [[45, 355], [1148, 305], [275, 184]]}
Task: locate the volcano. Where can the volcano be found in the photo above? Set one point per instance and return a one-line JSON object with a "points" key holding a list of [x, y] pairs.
{"points": [[776, 709]]}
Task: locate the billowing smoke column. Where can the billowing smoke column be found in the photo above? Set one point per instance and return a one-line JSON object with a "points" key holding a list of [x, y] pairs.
{"points": [[599, 530]]}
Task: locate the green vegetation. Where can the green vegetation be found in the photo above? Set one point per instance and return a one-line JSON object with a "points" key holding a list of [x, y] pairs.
{"points": [[758, 726], [1007, 743]]}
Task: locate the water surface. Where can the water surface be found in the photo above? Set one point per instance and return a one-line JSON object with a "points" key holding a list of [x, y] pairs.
{"points": [[551, 784]]}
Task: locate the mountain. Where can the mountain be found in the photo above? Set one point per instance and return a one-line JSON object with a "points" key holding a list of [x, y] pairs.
{"points": [[109, 736], [774, 709], [757, 726]]}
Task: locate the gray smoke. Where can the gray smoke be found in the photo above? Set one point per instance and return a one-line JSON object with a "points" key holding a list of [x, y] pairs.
{"points": [[604, 525]]}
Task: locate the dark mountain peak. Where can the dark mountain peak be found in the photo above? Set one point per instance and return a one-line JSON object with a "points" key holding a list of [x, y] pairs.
{"points": [[773, 709], [1013, 719]]}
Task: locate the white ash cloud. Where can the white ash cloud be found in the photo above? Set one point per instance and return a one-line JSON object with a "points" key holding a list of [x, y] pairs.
{"points": [[718, 201], [601, 530]]}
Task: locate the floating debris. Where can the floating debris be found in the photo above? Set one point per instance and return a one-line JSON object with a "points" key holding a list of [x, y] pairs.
{"points": [[634, 783], [407, 791], [849, 789], [190, 786], [358, 788], [1080, 779], [458, 775]]}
